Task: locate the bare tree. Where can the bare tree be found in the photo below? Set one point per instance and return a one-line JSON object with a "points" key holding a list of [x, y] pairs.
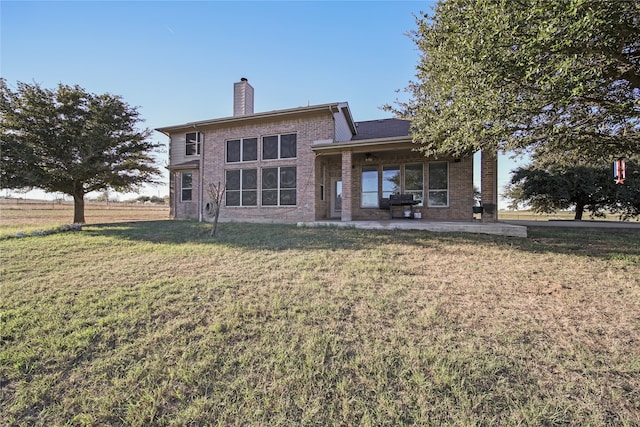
{"points": [[216, 194]]}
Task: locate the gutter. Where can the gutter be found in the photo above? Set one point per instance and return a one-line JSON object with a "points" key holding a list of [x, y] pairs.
{"points": [[364, 143]]}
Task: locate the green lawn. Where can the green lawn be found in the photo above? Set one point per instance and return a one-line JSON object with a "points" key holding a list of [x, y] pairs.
{"points": [[154, 323]]}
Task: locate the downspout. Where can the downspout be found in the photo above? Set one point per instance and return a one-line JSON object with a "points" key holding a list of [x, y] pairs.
{"points": [[176, 175], [201, 185]]}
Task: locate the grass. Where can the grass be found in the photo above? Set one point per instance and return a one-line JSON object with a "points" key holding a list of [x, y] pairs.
{"points": [[527, 215], [154, 323], [19, 216]]}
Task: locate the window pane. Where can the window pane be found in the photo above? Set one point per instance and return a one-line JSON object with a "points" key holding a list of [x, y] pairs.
{"points": [[370, 178], [191, 146], [187, 180], [233, 151], [369, 187], [288, 146], [288, 197], [249, 198], [287, 177], [370, 200], [390, 180], [438, 176], [250, 149], [438, 198], [269, 197], [269, 178], [249, 179], [233, 198], [233, 180], [186, 195], [270, 147], [413, 178]]}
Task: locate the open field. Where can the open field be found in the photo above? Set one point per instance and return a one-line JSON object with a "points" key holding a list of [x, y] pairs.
{"points": [[18, 215], [524, 215], [154, 323]]}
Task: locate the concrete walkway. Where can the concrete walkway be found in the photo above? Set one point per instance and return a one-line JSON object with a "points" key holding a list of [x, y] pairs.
{"points": [[499, 228]]}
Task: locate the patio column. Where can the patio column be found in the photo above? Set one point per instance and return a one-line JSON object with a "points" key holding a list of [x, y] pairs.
{"points": [[347, 165], [489, 185]]}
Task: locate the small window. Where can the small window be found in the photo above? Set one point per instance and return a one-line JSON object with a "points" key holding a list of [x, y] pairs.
{"points": [[439, 184], [192, 146], [186, 186], [279, 147]]}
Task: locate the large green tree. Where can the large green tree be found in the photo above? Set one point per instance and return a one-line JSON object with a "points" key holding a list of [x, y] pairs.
{"points": [[71, 141], [583, 188], [559, 78]]}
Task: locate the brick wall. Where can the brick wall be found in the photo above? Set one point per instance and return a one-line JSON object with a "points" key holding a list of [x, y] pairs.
{"points": [[308, 127], [460, 186]]}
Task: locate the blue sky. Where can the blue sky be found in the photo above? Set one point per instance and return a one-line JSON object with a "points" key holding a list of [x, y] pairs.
{"points": [[177, 61]]}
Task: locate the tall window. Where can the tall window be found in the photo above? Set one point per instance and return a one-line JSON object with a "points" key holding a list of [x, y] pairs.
{"points": [[279, 186], [413, 182], [242, 150], [439, 184], [279, 146], [390, 180], [186, 186], [192, 146], [369, 187], [242, 187]]}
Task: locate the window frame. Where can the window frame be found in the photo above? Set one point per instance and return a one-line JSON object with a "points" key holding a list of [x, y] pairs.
{"points": [[279, 146], [195, 144], [278, 188], [183, 188], [241, 188], [406, 190], [241, 148], [375, 169], [438, 190], [396, 189]]}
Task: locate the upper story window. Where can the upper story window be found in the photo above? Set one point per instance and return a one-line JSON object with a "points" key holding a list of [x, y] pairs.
{"points": [[242, 150], [192, 145], [279, 146]]}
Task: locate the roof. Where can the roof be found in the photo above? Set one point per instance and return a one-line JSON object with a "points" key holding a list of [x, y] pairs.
{"points": [[332, 107], [192, 164], [384, 128]]}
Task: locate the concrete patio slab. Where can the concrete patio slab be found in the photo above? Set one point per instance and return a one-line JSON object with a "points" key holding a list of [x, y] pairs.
{"points": [[497, 228]]}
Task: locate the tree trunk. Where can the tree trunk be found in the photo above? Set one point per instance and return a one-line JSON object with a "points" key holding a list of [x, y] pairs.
{"points": [[214, 227], [78, 205], [579, 212]]}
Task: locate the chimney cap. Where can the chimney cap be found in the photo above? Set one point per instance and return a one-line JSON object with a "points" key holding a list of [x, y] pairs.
{"points": [[244, 79]]}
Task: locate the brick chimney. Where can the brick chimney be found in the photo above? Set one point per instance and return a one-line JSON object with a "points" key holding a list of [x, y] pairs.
{"points": [[242, 98]]}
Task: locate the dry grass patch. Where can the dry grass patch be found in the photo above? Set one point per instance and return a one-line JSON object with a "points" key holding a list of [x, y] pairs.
{"points": [[17, 215], [156, 324]]}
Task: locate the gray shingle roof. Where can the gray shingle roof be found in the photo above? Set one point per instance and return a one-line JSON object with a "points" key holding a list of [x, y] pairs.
{"points": [[384, 128]]}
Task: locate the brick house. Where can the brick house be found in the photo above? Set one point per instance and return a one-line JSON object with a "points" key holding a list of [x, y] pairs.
{"points": [[316, 163]]}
